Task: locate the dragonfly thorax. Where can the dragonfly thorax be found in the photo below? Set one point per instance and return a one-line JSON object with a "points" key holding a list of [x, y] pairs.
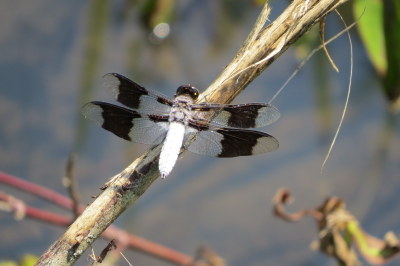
{"points": [[180, 114]]}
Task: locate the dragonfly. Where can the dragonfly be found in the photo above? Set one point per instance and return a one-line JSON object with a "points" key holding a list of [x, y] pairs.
{"points": [[212, 129]]}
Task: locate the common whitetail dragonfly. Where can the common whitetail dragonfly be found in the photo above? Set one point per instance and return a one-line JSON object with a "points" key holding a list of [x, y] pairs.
{"points": [[180, 123]]}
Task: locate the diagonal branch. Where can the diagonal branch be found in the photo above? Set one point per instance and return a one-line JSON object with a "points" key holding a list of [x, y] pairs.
{"points": [[261, 48]]}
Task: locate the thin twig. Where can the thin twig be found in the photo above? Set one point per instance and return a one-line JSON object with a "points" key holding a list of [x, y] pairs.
{"points": [[308, 57], [347, 96], [322, 39], [69, 183], [36, 190], [21, 209]]}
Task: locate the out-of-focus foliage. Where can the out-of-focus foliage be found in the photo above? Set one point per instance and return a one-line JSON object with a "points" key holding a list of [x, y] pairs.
{"points": [[26, 260], [29, 260], [8, 263], [97, 22], [370, 27], [154, 12], [378, 25]]}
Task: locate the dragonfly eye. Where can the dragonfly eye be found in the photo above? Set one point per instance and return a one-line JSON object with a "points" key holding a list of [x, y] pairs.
{"points": [[189, 90]]}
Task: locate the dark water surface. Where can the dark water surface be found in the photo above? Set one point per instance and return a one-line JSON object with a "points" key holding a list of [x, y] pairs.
{"points": [[52, 62]]}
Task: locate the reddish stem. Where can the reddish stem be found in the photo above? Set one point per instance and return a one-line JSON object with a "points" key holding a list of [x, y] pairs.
{"points": [[36, 190], [112, 232]]}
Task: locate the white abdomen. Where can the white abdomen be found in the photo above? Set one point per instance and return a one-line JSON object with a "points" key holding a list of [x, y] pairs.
{"points": [[171, 147]]}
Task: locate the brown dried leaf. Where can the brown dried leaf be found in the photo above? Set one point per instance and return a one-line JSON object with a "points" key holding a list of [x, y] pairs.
{"points": [[281, 198], [340, 232]]}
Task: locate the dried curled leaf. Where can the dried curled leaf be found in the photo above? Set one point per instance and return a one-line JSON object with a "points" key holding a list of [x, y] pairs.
{"points": [[340, 232]]}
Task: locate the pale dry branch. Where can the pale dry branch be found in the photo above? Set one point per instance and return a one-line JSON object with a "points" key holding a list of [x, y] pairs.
{"points": [[262, 47]]}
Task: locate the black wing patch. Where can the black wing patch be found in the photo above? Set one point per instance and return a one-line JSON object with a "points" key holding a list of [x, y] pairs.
{"points": [[126, 123], [132, 95], [228, 142], [246, 142], [252, 115]]}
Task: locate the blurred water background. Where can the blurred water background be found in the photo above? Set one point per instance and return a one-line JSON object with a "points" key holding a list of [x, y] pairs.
{"points": [[53, 56]]}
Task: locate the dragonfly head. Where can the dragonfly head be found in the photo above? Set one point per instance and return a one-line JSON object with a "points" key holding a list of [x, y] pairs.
{"points": [[189, 90]]}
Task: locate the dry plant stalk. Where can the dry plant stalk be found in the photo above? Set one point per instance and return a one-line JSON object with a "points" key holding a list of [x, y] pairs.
{"points": [[261, 48]]}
